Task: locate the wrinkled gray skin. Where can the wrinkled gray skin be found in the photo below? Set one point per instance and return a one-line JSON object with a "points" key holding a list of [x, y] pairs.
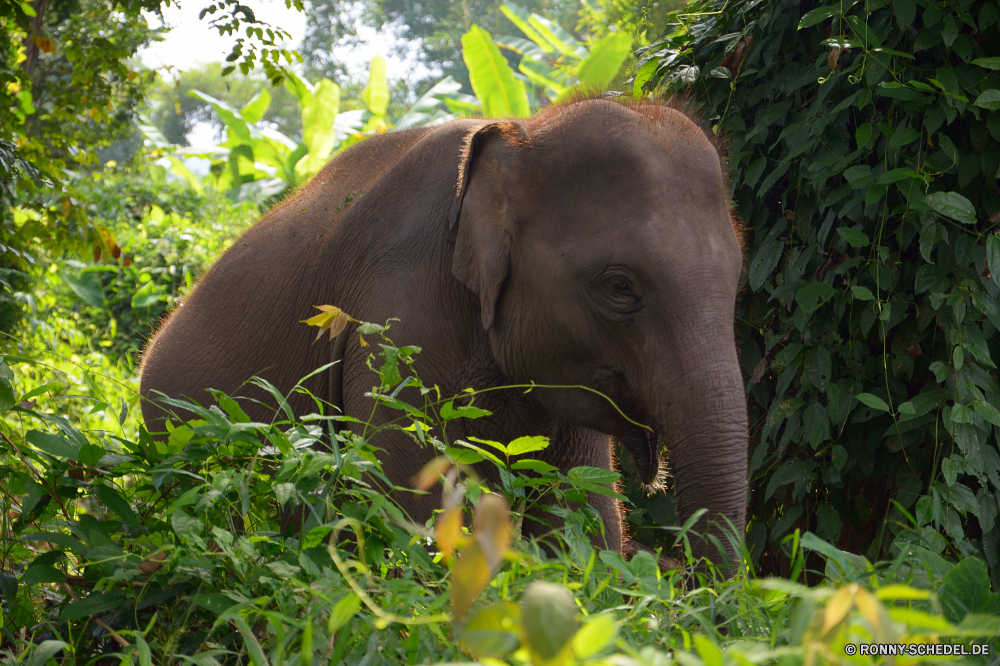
{"points": [[590, 245]]}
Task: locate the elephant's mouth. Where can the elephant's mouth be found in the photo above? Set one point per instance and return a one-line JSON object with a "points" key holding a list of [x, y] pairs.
{"points": [[644, 445]]}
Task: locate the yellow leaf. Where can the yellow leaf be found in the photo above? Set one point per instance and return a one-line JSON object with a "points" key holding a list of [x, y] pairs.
{"points": [[468, 578], [66, 207], [430, 473], [448, 530], [492, 529], [840, 605], [93, 113], [331, 318], [868, 606], [322, 320]]}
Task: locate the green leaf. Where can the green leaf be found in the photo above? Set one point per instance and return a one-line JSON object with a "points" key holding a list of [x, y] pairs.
{"points": [[818, 15], [429, 103], [863, 134], [7, 398], [114, 501], [859, 176], [520, 18], [523, 445], [542, 75], [987, 411], [520, 46], [492, 632], [989, 99], [377, 97], [94, 604], [342, 612], [535, 465], [872, 401], [905, 11], [178, 167], [555, 35], [993, 256], [953, 205], [54, 445], [595, 634], [592, 474], [966, 589], [148, 294], [42, 573], [862, 293], [853, 237], [987, 63], [903, 137], [492, 79], [255, 109], [764, 263], [302, 89], [230, 117], [812, 296], [87, 286], [57, 538], [606, 57], [45, 650], [318, 116]]}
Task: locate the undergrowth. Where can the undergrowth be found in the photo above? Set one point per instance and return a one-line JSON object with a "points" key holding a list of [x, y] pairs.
{"points": [[120, 548]]}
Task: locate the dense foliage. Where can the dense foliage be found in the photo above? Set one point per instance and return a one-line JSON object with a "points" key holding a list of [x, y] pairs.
{"points": [[864, 145], [864, 141], [176, 551]]}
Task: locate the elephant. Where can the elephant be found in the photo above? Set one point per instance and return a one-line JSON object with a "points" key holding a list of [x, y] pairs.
{"points": [[591, 245]]}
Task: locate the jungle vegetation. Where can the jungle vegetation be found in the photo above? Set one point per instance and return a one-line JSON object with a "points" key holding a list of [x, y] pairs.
{"points": [[863, 140]]}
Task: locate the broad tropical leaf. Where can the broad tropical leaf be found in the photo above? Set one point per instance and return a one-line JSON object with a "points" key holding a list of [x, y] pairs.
{"points": [[492, 78], [318, 117], [606, 57]]}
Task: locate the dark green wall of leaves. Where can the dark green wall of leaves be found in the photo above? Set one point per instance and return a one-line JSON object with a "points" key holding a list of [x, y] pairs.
{"points": [[864, 143]]}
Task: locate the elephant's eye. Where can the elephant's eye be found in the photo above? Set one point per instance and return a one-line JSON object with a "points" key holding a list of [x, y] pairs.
{"points": [[620, 284], [621, 293]]}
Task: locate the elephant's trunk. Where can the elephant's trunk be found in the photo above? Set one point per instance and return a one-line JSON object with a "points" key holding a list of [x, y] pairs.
{"points": [[705, 431]]}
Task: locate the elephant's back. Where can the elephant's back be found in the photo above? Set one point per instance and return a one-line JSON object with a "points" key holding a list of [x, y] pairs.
{"points": [[242, 318], [331, 192]]}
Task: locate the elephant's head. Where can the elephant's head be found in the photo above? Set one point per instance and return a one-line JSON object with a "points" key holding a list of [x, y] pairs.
{"points": [[599, 240]]}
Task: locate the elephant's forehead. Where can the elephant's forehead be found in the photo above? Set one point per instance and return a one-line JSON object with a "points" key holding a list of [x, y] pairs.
{"points": [[599, 127], [627, 162]]}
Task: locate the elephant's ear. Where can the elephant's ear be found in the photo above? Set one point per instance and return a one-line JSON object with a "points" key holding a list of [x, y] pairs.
{"points": [[483, 211]]}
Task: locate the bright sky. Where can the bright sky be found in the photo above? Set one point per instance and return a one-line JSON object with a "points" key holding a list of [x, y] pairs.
{"points": [[191, 41]]}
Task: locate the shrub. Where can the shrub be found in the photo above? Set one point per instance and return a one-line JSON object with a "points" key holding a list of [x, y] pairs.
{"points": [[129, 549], [864, 142]]}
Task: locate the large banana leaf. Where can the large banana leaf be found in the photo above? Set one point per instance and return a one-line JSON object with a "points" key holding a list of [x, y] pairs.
{"points": [[178, 167], [376, 93], [520, 46], [543, 75], [493, 81], [255, 109], [430, 106], [236, 127], [302, 89], [521, 18], [606, 57], [564, 42], [318, 116]]}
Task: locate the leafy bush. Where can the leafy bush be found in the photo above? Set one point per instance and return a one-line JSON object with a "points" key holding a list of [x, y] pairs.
{"points": [[173, 551], [154, 238], [864, 146]]}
